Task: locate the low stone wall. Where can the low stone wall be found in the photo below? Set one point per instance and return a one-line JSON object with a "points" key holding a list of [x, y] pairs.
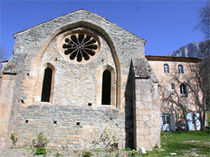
{"points": [[71, 127]]}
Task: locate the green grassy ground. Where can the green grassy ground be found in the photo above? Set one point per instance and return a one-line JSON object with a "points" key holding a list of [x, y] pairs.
{"points": [[179, 144], [193, 143], [208, 116]]}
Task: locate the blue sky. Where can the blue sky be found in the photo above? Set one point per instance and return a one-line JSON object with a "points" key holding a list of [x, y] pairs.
{"points": [[165, 25]]}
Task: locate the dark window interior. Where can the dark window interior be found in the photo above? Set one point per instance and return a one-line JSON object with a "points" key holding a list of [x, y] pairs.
{"points": [[181, 69], [172, 86], [183, 90], [166, 119], [46, 86], [106, 88]]}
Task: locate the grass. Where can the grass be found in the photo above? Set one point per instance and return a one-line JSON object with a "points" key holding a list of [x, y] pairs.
{"points": [[194, 143], [208, 117], [184, 144]]}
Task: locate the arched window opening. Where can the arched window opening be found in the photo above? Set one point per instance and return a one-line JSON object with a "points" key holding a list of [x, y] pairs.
{"points": [[180, 69], [106, 88], [46, 86], [183, 90], [166, 68]]}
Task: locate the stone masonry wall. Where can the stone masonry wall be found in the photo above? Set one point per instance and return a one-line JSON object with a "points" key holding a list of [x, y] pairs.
{"points": [[71, 127], [74, 83], [31, 44], [6, 100], [147, 116], [147, 106]]}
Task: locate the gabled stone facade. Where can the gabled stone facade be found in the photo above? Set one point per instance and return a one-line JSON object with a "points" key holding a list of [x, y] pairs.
{"points": [[83, 82]]}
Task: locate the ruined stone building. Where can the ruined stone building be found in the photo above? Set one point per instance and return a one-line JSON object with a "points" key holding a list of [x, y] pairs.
{"points": [[86, 83], [83, 82]]}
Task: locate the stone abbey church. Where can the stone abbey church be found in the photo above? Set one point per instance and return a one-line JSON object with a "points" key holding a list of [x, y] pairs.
{"points": [[83, 82]]}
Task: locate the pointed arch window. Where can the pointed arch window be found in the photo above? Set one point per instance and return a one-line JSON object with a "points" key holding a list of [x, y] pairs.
{"points": [[47, 85], [106, 88], [183, 90], [180, 69], [166, 68]]}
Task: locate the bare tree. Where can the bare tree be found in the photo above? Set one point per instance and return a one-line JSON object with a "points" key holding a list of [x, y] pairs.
{"points": [[205, 75], [193, 100], [197, 88], [175, 103], [204, 25], [204, 16]]}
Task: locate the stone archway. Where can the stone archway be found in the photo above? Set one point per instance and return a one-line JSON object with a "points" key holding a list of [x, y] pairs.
{"points": [[84, 24]]}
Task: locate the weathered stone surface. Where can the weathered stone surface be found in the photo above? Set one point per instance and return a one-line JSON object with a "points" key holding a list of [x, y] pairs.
{"points": [[75, 103], [76, 127], [141, 68]]}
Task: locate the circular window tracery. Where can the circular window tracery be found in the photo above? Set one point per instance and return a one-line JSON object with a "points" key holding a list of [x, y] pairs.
{"points": [[80, 46]]}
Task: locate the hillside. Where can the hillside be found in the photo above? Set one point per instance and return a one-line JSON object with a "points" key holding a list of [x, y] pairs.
{"points": [[194, 49]]}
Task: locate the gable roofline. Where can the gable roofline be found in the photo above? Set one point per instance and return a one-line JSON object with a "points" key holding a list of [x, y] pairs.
{"points": [[74, 12], [46, 21], [173, 59]]}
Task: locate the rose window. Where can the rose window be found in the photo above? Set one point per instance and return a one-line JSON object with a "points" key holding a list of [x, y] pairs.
{"points": [[80, 47]]}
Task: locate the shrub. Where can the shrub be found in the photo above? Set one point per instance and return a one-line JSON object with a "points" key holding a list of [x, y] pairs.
{"points": [[86, 154], [58, 154], [41, 141], [134, 153], [14, 139], [41, 151], [40, 144]]}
